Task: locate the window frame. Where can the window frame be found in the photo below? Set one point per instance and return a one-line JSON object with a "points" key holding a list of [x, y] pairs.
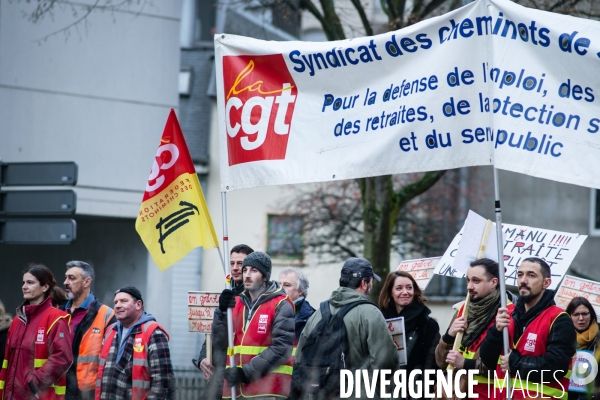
{"points": [[293, 258], [594, 194]]}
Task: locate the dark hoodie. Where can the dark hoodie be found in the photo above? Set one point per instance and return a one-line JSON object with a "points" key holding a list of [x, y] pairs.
{"points": [[282, 338], [560, 348]]}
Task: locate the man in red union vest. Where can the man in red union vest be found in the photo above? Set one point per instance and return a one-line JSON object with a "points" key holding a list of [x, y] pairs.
{"points": [[135, 362], [263, 329], [542, 339]]}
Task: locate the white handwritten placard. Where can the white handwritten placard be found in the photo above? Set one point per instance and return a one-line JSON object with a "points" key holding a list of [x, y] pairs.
{"points": [[572, 287], [201, 309], [421, 269], [558, 249], [200, 326], [396, 329]]}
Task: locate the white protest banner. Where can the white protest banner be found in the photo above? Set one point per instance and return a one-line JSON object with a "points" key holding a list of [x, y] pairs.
{"points": [[572, 287], [490, 83], [421, 269], [471, 241], [558, 249], [396, 329], [201, 308]]}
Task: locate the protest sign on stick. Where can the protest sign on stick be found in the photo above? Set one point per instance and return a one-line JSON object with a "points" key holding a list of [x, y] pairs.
{"points": [[558, 249], [201, 310], [572, 287], [421, 269]]}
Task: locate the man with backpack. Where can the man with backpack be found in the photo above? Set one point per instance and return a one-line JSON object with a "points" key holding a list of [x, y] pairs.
{"points": [[361, 342]]}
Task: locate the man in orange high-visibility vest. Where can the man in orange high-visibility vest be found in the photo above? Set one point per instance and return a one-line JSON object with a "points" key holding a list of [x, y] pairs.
{"points": [[89, 321], [263, 329], [135, 362], [542, 339]]}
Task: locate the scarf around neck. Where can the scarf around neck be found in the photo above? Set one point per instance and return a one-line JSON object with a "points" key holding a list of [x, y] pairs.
{"points": [[480, 315], [587, 337]]}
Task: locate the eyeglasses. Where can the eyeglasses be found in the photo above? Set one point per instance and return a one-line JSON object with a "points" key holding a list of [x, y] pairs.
{"points": [[582, 314]]}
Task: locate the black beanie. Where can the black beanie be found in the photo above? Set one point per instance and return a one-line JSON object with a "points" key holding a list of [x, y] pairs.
{"points": [[261, 261]]}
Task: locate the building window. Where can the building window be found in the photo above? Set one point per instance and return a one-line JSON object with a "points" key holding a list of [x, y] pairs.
{"points": [[284, 237], [594, 212], [185, 81], [206, 16]]}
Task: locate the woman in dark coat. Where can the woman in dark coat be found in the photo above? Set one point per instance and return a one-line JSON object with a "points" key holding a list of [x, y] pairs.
{"points": [[588, 339], [402, 297]]}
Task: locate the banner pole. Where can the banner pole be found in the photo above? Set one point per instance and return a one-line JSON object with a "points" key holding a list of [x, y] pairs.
{"points": [[502, 283], [229, 310]]}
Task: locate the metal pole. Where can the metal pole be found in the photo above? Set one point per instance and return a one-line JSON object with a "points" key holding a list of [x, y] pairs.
{"points": [[502, 283], [229, 311]]}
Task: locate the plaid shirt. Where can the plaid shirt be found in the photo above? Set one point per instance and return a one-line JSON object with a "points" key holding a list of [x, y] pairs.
{"points": [[116, 379]]}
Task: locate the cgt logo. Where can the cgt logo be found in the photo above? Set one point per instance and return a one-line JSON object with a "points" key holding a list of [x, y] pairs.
{"points": [[260, 95]]}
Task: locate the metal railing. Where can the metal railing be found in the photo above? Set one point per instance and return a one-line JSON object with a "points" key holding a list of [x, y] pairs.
{"points": [[189, 383]]}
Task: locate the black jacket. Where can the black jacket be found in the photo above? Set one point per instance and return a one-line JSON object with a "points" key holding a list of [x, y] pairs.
{"points": [[560, 348], [214, 387], [303, 311], [73, 392], [422, 336]]}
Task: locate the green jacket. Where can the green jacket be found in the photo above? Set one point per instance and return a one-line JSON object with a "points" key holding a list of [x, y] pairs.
{"points": [[370, 344]]}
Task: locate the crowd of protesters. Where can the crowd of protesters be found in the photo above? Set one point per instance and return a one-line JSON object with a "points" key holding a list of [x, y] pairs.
{"points": [[66, 344]]}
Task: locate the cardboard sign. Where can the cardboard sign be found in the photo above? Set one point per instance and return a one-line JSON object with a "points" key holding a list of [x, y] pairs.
{"points": [[201, 310], [421, 269], [558, 249], [471, 242], [200, 326], [572, 287], [396, 329]]}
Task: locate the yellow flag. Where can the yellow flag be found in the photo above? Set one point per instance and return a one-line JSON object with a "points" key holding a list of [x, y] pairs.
{"points": [[173, 217]]}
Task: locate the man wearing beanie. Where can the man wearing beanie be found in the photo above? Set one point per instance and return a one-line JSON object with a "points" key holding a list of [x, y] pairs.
{"points": [[135, 361], [263, 329]]}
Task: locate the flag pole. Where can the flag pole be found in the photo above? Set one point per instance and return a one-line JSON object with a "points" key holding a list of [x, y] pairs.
{"points": [[501, 271], [229, 310]]}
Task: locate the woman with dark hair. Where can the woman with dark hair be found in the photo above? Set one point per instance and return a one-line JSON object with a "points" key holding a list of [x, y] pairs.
{"points": [[38, 349], [588, 338], [402, 297]]}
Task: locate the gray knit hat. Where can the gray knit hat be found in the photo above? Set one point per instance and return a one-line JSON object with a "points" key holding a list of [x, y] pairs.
{"points": [[261, 261]]}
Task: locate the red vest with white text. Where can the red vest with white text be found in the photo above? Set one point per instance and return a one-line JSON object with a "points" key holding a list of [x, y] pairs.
{"points": [[57, 390], [533, 343], [250, 342]]}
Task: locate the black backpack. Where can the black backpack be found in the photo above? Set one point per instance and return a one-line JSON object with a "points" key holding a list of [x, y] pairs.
{"points": [[324, 354]]}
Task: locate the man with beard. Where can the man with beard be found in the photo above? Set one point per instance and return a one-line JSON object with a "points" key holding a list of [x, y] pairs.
{"points": [[542, 338], [263, 332], [484, 302], [89, 321], [370, 346], [214, 387]]}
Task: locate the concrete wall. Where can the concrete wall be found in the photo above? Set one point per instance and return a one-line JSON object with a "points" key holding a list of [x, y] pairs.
{"points": [[99, 97]]}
